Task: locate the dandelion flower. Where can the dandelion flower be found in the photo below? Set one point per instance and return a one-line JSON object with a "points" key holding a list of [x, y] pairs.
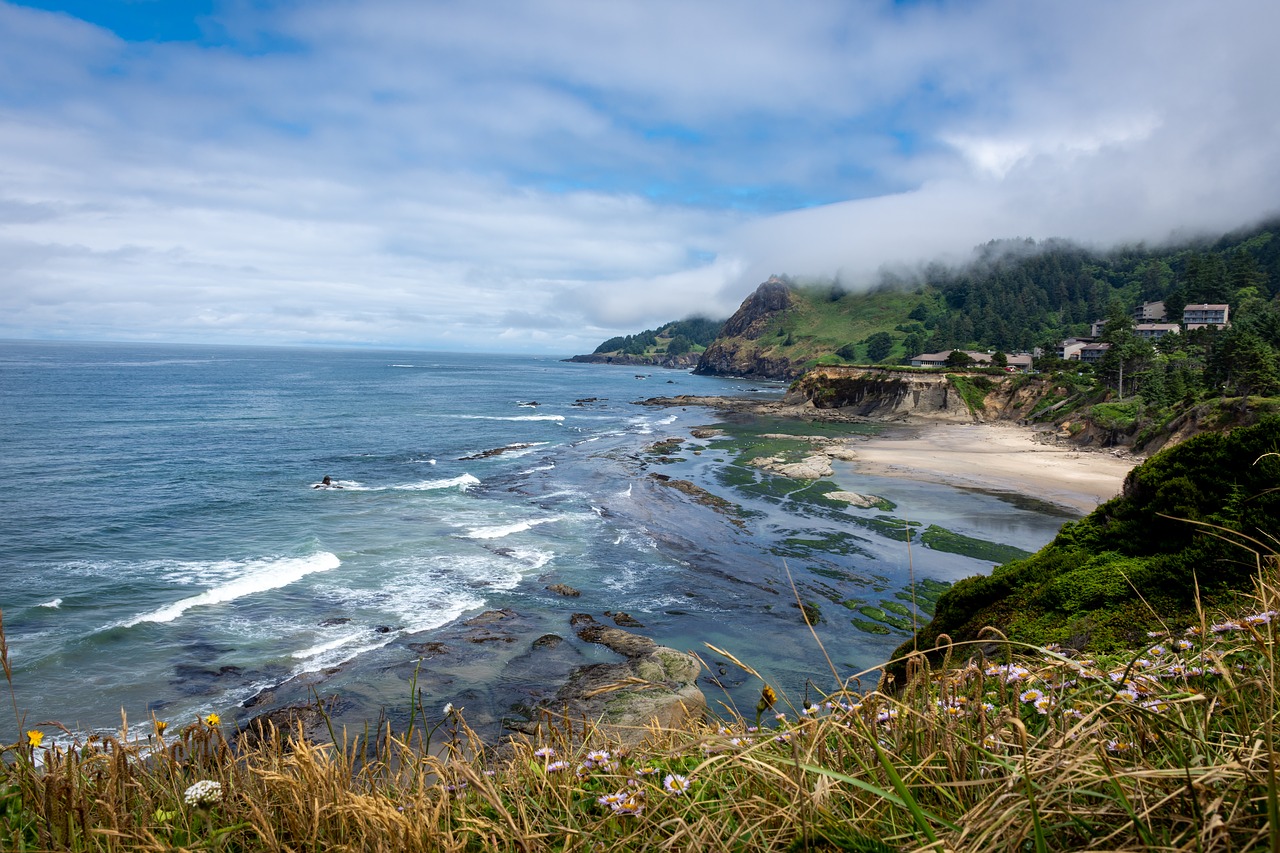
{"points": [[676, 784], [34, 738], [212, 720], [203, 793], [161, 725]]}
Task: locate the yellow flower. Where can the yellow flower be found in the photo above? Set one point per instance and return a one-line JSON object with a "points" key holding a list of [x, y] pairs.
{"points": [[35, 737], [161, 725], [767, 698], [213, 719]]}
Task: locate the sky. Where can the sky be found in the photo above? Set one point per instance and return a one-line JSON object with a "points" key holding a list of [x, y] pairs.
{"points": [[536, 176]]}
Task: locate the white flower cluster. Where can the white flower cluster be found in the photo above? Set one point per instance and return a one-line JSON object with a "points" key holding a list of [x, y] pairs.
{"points": [[203, 793]]}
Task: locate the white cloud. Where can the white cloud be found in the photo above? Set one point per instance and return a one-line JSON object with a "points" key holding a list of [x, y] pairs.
{"points": [[542, 175]]}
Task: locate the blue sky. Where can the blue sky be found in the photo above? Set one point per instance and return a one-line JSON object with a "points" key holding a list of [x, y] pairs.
{"points": [[537, 176]]}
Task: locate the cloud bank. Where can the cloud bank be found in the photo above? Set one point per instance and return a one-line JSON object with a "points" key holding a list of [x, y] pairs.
{"points": [[540, 176]]}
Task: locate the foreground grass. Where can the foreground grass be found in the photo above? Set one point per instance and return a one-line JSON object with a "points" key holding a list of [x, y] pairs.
{"points": [[1168, 748]]}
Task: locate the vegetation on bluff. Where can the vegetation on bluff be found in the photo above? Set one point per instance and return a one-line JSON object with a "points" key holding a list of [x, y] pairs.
{"points": [[1187, 528]]}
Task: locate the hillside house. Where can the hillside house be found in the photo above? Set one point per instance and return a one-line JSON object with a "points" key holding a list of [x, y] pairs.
{"points": [[1069, 350], [1155, 331], [1093, 353], [1205, 314], [1017, 361], [1149, 312]]}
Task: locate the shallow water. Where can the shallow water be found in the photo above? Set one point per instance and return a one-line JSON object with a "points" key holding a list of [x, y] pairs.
{"points": [[166, 550]]}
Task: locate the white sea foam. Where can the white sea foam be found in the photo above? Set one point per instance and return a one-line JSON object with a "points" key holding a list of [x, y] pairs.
{"points": [[258, 576], [512, 417], [321, 648], [501, 530], [627, 493], [402, 365], [539, 468], [532, 557], [54, 604], [462, 482]]}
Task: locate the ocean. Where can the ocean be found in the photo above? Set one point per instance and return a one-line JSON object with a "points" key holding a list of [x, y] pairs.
{"points": [[169, 551]]}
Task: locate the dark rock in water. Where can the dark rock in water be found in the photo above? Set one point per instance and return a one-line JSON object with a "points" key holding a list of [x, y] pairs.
{"points": [[496, 451], [623, 620], [308, 720], [655, 683], [429, 650], [490, 617], [548, 641], [623, 642], [564, 589], [336, 620], [383, 629]]}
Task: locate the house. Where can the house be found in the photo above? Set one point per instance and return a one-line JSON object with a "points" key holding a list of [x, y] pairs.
{"points": [[1017, 361], [1093, 353], [1069, 349], [1155, 331], [1205, 314], [1149, 312]]}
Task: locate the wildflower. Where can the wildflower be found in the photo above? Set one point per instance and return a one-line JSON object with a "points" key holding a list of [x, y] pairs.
{"points": [[1183, 645], [1127, 695], [1031, 696], [597, 758], [203, 793], [544, 752], [161, 725], [630, 806], [34, 738], [810, 710], [556, 766], [1260, 618], [1118, 746], [767, 698], [1157, 651], [735, 741], [1154, 634], [1157, 705], [1223, 627], [887, 715], [675, 784], [647, 771], [448, 708], [780, 717], [613, 800], [212, 720], [785, 737], [1043, 705]]}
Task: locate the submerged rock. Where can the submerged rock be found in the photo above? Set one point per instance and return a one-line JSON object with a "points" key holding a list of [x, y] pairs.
{"points": [[653, 684]]}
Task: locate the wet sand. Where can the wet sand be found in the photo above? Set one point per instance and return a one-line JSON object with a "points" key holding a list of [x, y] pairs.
{"points": [[997, 456]]}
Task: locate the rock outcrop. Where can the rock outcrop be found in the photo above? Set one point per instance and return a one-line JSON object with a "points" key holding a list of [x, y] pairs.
{"points": [[882, 394], [652, 684], [738, 351]]}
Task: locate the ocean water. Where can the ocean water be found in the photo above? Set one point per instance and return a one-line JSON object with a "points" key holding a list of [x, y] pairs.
{"points": [[166, 549]]}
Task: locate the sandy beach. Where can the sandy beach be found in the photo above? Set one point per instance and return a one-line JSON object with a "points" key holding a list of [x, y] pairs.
{"points": [[997, 456]]}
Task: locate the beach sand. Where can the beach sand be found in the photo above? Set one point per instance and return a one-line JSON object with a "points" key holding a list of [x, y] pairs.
{"points": [[997, 456]]}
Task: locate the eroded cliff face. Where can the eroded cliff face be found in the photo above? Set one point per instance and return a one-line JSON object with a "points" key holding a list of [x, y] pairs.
{"points": [[903, 395], [881, 394], [738, 351]]}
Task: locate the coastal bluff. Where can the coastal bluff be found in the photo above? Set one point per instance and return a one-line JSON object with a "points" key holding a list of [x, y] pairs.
{"points": [[888, 395]]}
